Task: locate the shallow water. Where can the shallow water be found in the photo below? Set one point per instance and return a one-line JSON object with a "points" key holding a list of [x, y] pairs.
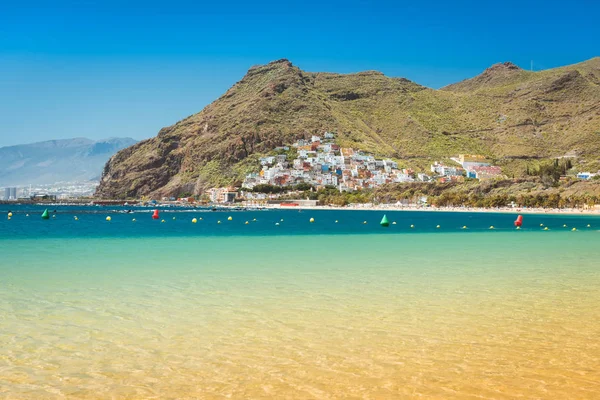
{"points": [[92, 309]]}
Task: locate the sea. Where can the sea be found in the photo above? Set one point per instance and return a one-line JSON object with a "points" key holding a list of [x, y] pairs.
{"points": [[266, 304]]}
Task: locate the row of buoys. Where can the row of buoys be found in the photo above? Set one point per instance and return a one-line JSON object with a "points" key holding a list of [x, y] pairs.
{"points": [[384, 221]]}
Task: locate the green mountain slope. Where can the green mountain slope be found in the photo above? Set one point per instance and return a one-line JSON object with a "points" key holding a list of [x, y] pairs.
{"points": [[505, 113]]}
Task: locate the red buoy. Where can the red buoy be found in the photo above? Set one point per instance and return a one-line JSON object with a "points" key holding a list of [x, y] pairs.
{"points": [[519, 221], [155, 215]]}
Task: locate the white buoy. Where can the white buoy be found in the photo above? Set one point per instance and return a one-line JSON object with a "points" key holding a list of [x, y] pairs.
{"points": [[412, 226], [492, 227], [108, 218], [10, 214], [133, 220], [246, 223], [438, 227], [276, 223], [76, 219], [194, 220], [218, 222], [174, 218], [464, 227], [336, 221], [364, 222], [394, 223], [310, 220], [229, 218]]}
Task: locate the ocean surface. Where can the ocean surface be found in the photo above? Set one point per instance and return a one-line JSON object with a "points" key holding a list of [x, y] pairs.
{"points": [[96, 309]]}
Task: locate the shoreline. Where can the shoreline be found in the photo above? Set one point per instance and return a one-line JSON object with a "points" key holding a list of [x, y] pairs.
{"points": [[504, 210]]}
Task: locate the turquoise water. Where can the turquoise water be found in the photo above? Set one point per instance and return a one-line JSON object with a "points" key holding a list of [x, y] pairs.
{"points": [[91, 222], [121, 309]]}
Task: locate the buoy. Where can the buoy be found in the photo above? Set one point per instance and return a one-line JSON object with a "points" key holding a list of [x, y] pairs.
{"points": [[194, 221], [133, 220], [574, 229], [54, 216], [9, 218], [162, 221], [384, 221], [394, 223], [492, 227], [174, 218], [546, 228], [254, 220], [589, 226], [108, 218], [277, 223], [364, 222], [519, 221], [412, 226], [155, 214], [76, 219], [9, 214], [464, 227], [438, 227], [200, 218], [541, 224], [281, 219], [229, 218], [310, 220], [518, 227], [27, 215], [565, 225], [246, 223], [336, 221], [218, 222]]}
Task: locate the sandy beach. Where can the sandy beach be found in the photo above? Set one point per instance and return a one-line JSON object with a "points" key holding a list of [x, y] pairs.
{"points": [[393, 207]]}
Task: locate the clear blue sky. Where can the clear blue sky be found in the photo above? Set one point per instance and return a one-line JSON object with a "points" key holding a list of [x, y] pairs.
{"points": [[100, 68]]}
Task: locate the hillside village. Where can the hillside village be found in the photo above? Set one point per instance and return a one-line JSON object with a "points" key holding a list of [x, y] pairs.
{"points": [[320, 162]]}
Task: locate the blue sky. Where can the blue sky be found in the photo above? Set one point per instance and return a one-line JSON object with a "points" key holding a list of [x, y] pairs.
{"points": [[98, 69]]}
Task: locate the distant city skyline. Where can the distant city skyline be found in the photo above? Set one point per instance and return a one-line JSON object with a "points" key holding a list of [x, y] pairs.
{"points": [[71, 69]]}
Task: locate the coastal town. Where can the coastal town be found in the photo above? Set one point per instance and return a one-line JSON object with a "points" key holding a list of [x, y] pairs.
{"points": [[320, 162]]}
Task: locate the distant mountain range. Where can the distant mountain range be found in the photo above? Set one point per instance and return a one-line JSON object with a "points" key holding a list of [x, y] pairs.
{"points": [[68, 160], [509, 115]]}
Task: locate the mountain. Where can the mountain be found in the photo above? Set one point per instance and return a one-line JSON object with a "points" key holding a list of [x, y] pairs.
{"points": [[506, 113], [70, 160]]}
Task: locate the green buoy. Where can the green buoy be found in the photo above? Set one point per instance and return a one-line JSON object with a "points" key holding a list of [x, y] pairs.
{"points": [[46, 214], [384, 221]]}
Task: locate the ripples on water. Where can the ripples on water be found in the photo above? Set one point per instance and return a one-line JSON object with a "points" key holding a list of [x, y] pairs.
{"points": [[495, 315]]}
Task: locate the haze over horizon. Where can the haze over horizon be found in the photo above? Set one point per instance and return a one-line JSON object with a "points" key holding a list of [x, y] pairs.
{"points": [[108, 70]]}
